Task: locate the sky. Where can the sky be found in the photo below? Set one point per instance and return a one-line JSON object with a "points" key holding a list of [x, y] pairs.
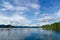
{"points": [[29, 12]]}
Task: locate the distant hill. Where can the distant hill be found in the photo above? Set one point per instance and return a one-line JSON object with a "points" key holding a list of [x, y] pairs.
{"points": [[10, 26], [6, 26]]}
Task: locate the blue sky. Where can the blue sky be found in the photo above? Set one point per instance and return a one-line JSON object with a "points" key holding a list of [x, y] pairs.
{"points": [[29, 12]]}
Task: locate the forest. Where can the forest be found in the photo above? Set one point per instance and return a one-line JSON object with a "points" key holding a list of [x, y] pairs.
{"points": [[54, 26]]}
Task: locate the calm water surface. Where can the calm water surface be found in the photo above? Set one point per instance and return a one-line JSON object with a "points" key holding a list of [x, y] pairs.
{"points": [[28, 34]]}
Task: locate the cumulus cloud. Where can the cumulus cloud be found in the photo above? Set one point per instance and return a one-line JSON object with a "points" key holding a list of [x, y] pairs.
{"points": [[7, 6], [45, 19], [34, 6], [16, 10], [21, 8], [30, 3], [58, 14], [30, 24], [25, 2], [3, 9], [44, 23], [36, 13], [17, 19], [48, 19], [14, 20]]}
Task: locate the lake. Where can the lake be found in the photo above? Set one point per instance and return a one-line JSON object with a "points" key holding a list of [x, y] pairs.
{"points": [[28, 34]]}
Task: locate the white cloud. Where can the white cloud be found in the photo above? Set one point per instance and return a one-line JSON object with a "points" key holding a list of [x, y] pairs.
{"points": [[36, 13], [20, 2], [25, 2], [45, 19], [44, 23], [21, 8], [44, 14], [34, 6], [3, 9], [28, 3], [4, 19], [14, 20], [32, 25], [8, 5], [58, 14]]}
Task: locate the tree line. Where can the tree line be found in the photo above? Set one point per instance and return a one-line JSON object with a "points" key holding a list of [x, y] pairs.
{"points": [[55, 26]]}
